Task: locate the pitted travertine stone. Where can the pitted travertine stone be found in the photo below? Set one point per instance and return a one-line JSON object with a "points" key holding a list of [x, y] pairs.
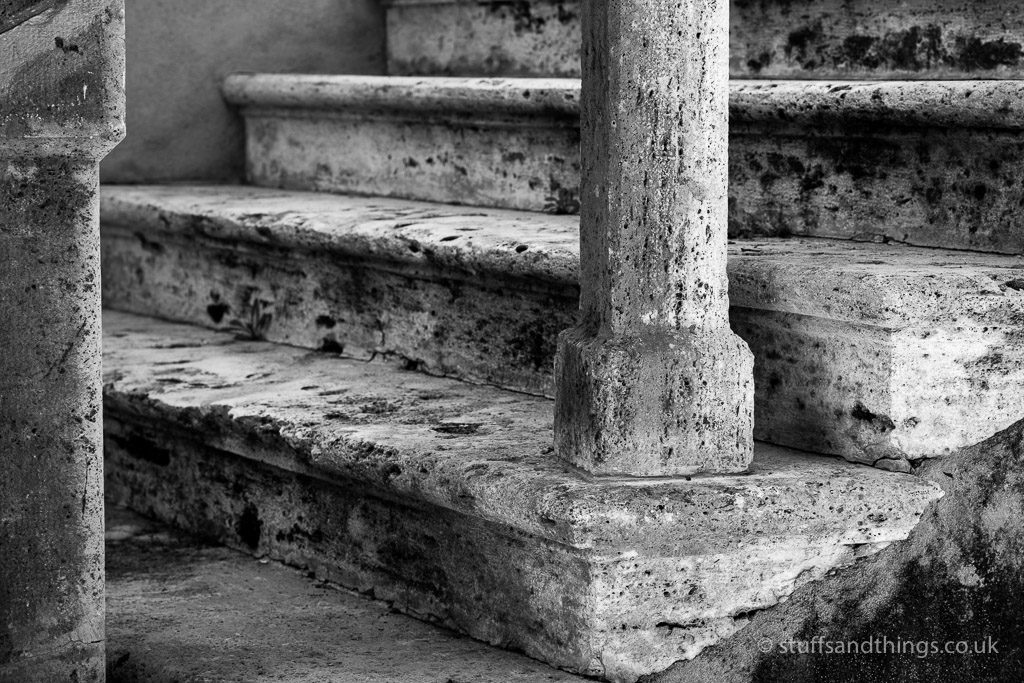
{"points": [[458, 38], [445, 498], [494, 142], [838, 329], [652, 381], [925, 163], [61, 110], [920, 39]]}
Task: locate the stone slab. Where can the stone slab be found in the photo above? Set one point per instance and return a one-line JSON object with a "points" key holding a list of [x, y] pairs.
{"points": [[880, 353], [914, 39], [445, 497], [924, 163], [180, 609]]}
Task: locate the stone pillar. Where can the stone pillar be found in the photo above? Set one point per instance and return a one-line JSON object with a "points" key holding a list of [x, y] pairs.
{"points": [[61, 111], [653, 382]]}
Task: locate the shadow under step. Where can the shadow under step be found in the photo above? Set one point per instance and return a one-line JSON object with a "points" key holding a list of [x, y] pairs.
{"points": [[926, 163], [879, 353], [445, 498], [179, 610]]}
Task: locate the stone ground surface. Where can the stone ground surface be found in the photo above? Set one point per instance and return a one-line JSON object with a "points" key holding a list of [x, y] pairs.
{"points": [[183, 611]]}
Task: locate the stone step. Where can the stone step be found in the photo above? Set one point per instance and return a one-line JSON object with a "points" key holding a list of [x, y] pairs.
{"points": [[792, 39], [883, 354], [444, 497], [182, 610], [926, 163]]}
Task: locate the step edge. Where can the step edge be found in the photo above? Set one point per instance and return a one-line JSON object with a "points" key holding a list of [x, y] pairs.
{"points": [[970, 104]]}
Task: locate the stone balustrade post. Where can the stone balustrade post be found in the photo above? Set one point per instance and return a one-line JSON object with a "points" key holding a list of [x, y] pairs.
{"points": [[61, 111], [653, 382]]}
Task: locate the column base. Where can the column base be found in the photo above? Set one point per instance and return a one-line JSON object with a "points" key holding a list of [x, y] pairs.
{"points": [[659, 404]]}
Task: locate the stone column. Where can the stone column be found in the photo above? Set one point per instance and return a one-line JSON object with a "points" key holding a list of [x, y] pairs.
{"points": [[61, 111], [653, 382]]}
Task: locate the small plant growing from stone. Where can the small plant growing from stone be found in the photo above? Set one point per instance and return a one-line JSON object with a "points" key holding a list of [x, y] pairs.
{"points": [[562, 202], [257, 323]]}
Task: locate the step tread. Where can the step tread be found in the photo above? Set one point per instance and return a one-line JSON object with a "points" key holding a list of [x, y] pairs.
{"points": [[178, 609], [478, 450], [883, 284], [989, 103]]}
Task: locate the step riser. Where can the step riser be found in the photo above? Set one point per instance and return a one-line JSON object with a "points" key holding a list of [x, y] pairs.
{"points": [[501, 586], [955, 188], [514, 164], [798, 39], [862, 391]]}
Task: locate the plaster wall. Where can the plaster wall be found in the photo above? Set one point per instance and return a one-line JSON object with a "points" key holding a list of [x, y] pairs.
{"points": [[178, 52]]}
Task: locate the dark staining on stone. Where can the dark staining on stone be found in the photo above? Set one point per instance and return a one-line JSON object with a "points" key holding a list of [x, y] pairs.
{"points": [[138, 446], [249, 527], [880, 423], [331, 345], [413, 364], [911, 49], [521, 12], [217, 311], [799, 41], [66, 47], [325, 322], [149, 245], [974, 54], [298, 534], [457, 428], [76, 84], [760, 62]]}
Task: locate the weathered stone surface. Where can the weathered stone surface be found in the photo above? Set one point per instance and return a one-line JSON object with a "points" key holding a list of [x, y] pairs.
{"points": [[181, 610], [445, 498], [775, 38], [956, 582], [652, 381], [877, 352], [931, 164], [430, 38], [61, 110], [506, 143], [925, 163]]}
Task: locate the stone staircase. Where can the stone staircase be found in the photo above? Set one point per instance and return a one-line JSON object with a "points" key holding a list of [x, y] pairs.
{"points": [[347, 363]]}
